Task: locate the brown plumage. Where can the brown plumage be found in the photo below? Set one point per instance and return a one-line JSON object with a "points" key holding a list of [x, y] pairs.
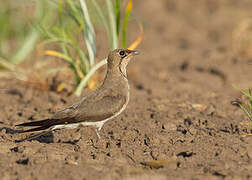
{"points": [[99, 106]]}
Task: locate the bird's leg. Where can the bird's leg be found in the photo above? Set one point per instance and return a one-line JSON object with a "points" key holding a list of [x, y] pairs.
{"points": [[97, 130]]}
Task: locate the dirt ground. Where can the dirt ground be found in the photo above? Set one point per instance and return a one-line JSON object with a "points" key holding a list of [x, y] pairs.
{"points": [[179, 111]]}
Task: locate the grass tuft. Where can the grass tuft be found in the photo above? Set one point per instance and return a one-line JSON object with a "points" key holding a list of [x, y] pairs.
{"points": [[68, 26], [245, 104], [76, 16]]}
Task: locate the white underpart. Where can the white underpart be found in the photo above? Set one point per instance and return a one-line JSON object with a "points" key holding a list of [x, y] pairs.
{"points": [[98, 124]]}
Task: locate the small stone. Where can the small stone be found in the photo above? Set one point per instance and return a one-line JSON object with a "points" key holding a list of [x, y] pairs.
{"points": [[170, 126], [199, 107]]}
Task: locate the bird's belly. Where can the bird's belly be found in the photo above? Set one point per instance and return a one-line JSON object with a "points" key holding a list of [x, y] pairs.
{"points": [[97, 124]]}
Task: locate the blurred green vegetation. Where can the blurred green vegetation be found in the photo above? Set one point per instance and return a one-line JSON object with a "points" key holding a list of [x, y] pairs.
{"points": [[75, 25], [245, 103], [68, 25], [18, 34]]}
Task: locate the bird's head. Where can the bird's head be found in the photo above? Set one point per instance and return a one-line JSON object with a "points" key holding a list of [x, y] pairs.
{"points": [[118, 59]]}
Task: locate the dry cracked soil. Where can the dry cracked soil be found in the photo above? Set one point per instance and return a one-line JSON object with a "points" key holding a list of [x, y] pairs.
{"points": [[179, 123]]}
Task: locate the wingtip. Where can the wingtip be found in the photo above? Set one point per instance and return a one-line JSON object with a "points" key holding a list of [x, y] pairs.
{"points": [[23, 124], [35, 123], [19, 125], [35, 129]]}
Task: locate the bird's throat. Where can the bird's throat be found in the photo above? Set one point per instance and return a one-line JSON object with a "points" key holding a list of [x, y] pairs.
{"points": [[116, 78], [123, 71], [123, 68]]}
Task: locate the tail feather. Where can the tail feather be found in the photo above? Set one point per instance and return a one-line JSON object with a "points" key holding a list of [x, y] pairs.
{"points": [[44, 122], [35, 129], [42, 125]]}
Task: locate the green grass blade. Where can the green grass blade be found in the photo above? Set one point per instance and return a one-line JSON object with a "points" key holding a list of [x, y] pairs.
{"points": [[84, 81], [31, 38], [104, 21], [118, 16], [246, 112], [89, 33], [75, 13], [26, 48], [7, 65], [54, 40], [244, 92], [125, 22], [112, 20], [60, 10]]}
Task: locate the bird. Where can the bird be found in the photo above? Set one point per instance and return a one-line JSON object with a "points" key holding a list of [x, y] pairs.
{"points": [[96, 108]]}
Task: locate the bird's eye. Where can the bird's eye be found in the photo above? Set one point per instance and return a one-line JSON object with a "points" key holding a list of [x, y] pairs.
{"points": [[122, 53]]}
